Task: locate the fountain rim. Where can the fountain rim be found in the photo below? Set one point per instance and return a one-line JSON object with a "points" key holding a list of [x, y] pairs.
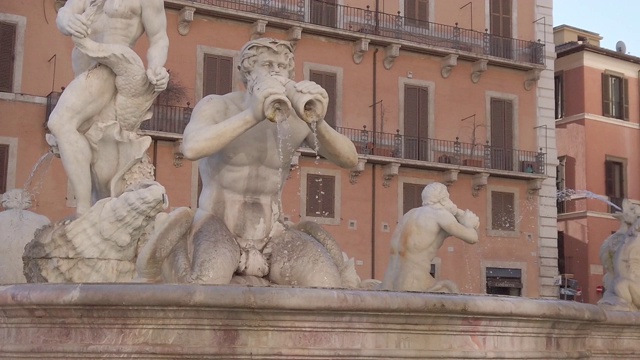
{"points": [[187, 296]]}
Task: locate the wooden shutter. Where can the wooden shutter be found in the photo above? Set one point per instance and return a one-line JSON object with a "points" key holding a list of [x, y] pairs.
{"points": [[320, 196], [217, 75], [7, 55], [606, 95], [500, 18], [625, 99], [410, 10], [411, 196], [416, 122], [502, 211], [4, 167], [423, 10], [328, 81], [609, 187], [501, 134], [323, 12]]}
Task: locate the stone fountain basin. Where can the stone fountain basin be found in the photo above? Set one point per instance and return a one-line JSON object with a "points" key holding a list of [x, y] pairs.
{"points": [[162, 321]]}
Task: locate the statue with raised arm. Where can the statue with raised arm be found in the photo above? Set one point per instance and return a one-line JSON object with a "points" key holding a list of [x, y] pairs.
{"points": [[419, 235], [94, 122], [245, 142]]}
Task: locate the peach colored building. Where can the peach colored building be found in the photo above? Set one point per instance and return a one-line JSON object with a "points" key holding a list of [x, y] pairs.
{"points": [[598, 123], [424, 91]]}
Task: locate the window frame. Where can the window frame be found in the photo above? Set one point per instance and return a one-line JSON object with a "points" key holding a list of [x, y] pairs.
{"points": [[522, 266], [609, 163], [410, 180], [515, 232], [308, 67], [203, 50], [337, 201], [18, 61], [12, 161], [559, 95], [609, 105]]}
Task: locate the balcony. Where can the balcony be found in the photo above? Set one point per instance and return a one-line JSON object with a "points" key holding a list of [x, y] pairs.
{"points": [[167, 122], [445, 153], [358, 22]]}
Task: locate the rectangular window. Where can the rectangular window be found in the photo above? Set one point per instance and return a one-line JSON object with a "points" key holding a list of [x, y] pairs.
{"points": [[411, 196], [7, 55], [559, 95], [503, 216], [328, 81], [501, 134], [217, 75], [320, 196], [416, 12], [323, 12], [502, 281], [416, 122], [4, 167], [614, 182], [500, 26], [615, 96]]}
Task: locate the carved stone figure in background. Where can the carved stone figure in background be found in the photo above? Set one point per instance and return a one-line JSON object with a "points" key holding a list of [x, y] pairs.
{"points": [[419, 235], [245, 142], [620, 256], [95, 119], [18, 228]]}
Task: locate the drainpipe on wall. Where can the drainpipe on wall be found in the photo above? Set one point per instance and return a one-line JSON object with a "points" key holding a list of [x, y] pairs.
{"points": [[373, 166]]}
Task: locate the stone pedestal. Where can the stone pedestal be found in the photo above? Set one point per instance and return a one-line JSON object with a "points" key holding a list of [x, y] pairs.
{"points": [[237, 322]]}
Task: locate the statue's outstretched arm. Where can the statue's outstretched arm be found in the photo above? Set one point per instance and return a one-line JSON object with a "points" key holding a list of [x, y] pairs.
{"points": [[334, 146]]}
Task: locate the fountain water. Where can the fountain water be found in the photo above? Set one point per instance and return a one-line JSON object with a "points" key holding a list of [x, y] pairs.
{"points": [[570, 194]]}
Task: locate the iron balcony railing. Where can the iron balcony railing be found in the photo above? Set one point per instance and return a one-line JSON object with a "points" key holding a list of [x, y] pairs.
{"points": [[445, 151], [165, 118], [394, 26]]}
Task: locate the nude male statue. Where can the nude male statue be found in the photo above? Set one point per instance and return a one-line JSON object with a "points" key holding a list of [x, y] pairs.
{"points": [[244, 160], [419, 235], [104, 24]]}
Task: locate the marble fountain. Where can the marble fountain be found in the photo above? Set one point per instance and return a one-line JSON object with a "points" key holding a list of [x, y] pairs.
{"points": [[126, 279]]}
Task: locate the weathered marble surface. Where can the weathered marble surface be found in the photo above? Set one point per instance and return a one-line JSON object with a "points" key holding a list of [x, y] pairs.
{"points": [[17, 227], [419, 235], [620, 256], [244, 142], [163, 321]]}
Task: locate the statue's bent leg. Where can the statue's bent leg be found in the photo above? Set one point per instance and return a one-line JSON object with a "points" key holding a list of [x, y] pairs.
{"points": [[85, 97], [298, 259], [216, 253]]}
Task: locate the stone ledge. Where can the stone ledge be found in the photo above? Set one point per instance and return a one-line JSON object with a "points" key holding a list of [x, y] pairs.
{"points": [[237, 322]]}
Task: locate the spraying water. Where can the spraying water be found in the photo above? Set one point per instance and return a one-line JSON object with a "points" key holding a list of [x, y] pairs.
{"points": [[33, 185], [571, 194]]}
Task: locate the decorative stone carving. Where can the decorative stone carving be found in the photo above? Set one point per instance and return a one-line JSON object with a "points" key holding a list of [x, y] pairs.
{"points": [[477, 68], [18, 228], [419, 235], [391, 52], [450, 176], [294, 33], [238, 234], [532, 77], [479, 182], [533, 186], [185, 18], [447, 64], [356, 171], [389, 171], [258, 29], [360, 47]]}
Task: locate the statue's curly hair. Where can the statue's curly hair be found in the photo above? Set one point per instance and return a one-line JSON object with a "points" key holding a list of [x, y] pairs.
{"points": [[250, 51], [434, 193]]}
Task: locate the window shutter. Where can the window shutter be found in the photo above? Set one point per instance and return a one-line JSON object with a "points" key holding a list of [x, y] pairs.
{"points": [[328, 81], [497, 123], [423, 10], [411, 196], [410, 9], [423, 113], [609, 185], [625, 98], [217, 75], [4, 167], [411, 110], [503, 211], [500, 17], [320, 196], [7, 55], [496, 210], [606, 95]]}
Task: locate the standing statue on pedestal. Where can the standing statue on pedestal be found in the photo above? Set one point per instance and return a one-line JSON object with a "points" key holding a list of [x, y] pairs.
{"points": [[94, 129], [419, 235], [245, 142]]}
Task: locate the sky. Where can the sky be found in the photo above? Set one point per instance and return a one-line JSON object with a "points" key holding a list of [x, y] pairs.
{"points": [[614, 20]]}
